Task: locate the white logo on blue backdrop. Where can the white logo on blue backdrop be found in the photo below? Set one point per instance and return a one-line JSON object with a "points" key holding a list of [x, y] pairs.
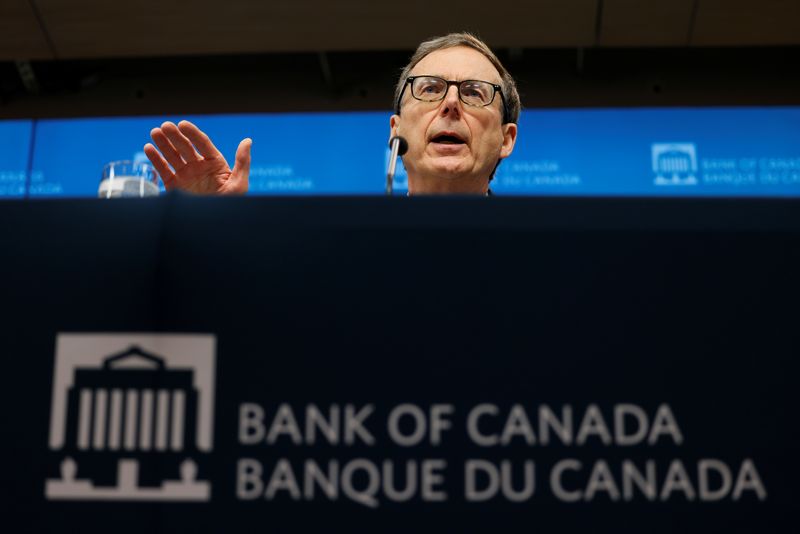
{"points": [[129, 412], [674, 164]]}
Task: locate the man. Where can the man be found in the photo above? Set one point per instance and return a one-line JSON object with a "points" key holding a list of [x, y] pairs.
{"points": [[455, 104]]}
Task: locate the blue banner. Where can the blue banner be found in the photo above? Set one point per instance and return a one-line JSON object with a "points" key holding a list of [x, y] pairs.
{"points": [[617, 152], [15, 146], [655, 152]]}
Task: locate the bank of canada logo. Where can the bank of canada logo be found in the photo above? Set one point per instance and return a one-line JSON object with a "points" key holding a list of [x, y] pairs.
{"points": [[132, 416], [675, 163]]}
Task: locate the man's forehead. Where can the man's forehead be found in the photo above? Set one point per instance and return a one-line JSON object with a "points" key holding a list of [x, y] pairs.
{"points": [[457, 63]]}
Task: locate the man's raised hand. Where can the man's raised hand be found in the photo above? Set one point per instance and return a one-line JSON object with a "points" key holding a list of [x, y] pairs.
{"points": [[189, 161]]}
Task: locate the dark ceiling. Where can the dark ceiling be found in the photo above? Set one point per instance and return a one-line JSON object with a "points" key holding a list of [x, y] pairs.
{"points": [[69, 29], [103, 57]]}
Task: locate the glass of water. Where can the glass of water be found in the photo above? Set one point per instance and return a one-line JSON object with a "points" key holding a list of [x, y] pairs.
{"points": [[128, 179]]}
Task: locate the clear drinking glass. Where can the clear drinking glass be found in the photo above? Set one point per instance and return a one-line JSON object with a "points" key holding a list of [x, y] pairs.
{"points": [[128, 179]]}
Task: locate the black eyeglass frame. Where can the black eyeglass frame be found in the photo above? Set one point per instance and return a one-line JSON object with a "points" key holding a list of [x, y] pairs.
{"points": [[497, 89]]}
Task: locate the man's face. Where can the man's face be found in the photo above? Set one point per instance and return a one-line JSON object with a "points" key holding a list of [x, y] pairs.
{"points": [[435, 163]]}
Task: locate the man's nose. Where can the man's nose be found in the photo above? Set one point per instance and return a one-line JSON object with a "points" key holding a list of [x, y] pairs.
{"points": [[451, 103]]}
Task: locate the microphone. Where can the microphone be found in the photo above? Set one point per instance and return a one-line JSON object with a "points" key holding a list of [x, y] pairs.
{"points": [[399, 147]]}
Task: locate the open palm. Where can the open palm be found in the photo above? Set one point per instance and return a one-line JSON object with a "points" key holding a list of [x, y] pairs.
{"points": [[189, 161]]}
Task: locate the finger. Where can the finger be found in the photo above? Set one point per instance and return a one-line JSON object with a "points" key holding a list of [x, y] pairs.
{"points": [[201, 141], [166, 148], [180, 142], [160, 164], [241, 169]]}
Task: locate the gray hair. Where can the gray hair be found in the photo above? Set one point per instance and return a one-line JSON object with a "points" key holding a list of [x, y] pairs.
{"points": [[509, 87]]}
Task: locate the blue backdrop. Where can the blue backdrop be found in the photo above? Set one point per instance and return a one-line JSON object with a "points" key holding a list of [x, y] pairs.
{"points": [[15, 151], [645, 152]]}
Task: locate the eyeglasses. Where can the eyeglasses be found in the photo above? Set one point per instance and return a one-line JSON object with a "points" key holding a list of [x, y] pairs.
{"points": [[476, 93]]}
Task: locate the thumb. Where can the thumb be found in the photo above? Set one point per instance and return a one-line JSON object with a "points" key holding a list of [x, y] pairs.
{"points": [[241, 168]]}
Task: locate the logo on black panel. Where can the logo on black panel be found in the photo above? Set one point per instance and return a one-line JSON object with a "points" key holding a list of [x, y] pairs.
{"points": [[132, 417]]}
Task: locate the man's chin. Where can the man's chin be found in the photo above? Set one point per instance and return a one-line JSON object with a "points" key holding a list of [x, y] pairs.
{"points": [[450, 167]]}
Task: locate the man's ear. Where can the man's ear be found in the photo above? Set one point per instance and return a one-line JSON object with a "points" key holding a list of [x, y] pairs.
{"points": [[509, 139], [394, 125]]}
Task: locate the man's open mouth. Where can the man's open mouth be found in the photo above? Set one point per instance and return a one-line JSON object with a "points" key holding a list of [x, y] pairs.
{"points": [[447, 139]]}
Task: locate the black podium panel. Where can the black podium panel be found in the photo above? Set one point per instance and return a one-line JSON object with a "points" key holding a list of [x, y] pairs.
{"points": [[370, 364]]}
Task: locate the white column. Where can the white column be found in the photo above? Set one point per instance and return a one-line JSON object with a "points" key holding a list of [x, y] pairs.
{"points": [[178, 404], [100, 400], [84, 418], [131, 415], [115, 423], [162, 418], [146, 420]]}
